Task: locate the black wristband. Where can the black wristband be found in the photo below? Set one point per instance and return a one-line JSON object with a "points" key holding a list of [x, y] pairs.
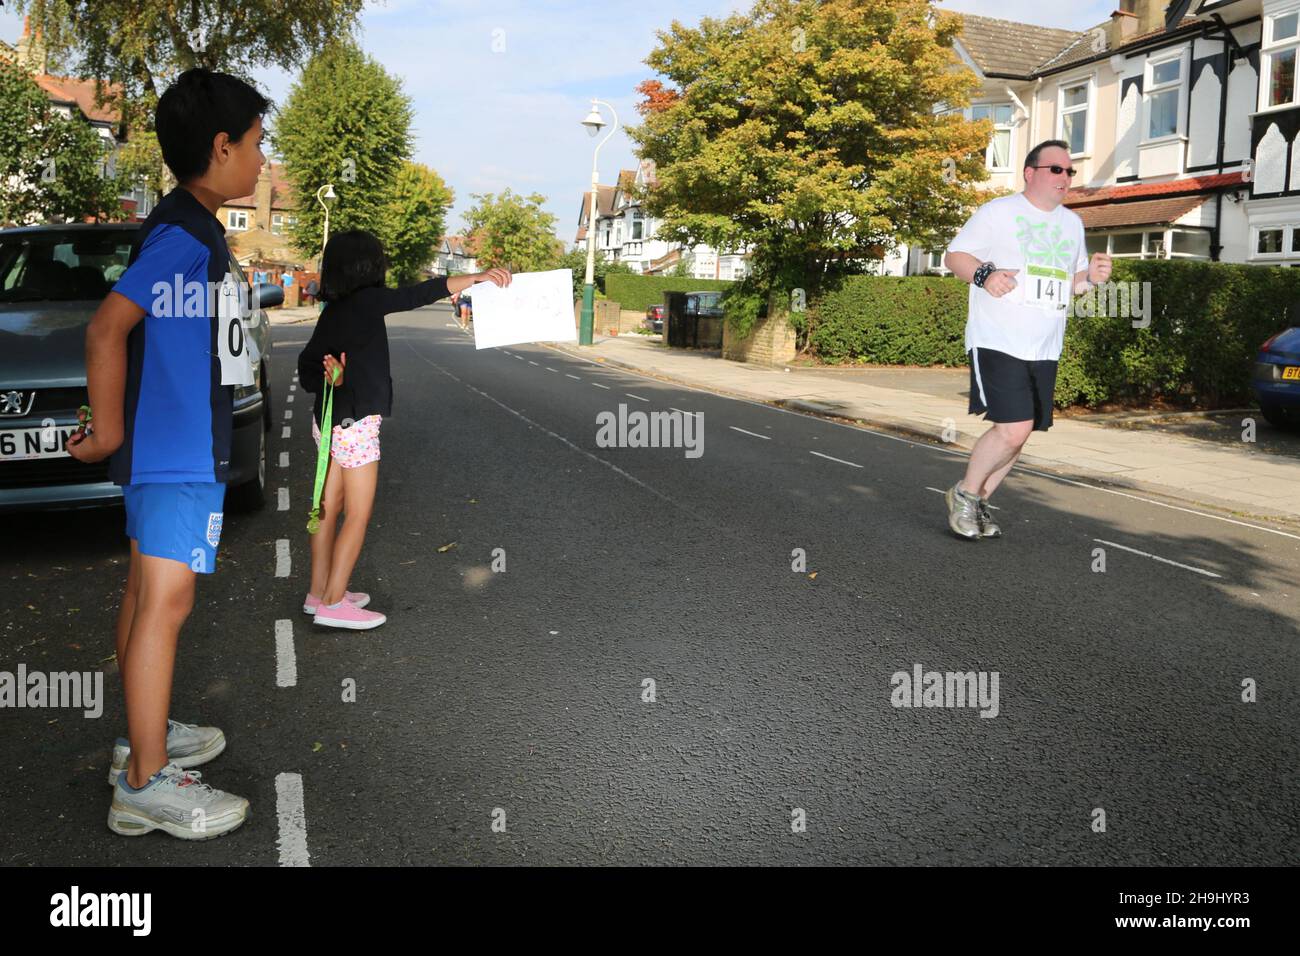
{"points": [[982, 273]]}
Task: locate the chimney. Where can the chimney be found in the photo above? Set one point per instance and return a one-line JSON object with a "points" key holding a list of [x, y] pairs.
{"points": [[31, 49], [262, 199], [1123, 26]]}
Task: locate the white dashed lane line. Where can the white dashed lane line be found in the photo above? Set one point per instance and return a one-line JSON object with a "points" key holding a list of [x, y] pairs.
{"points": [[289, 398], [598, 385], [743, 432], [840, 460], [284, 459], [637, 397], [286, 661], [549, 369], [531, 362], [282, 558], [1156, 557], [574, 377], [288, 414], [285, 432], [282, 500], [292, 817]]}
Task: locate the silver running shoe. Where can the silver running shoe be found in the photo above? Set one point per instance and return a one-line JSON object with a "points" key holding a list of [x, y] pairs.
{"points": [[963, 512], [187, 746], [988, 527], [176, 801]]}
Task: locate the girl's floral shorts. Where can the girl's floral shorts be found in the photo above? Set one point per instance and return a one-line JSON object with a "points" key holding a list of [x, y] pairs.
{"points": [[354, 446]]}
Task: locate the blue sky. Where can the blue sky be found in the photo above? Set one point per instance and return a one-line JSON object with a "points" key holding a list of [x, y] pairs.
{"points": [[490, 119]]}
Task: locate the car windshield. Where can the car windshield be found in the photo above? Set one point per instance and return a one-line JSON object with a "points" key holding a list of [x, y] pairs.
{"points": [[62, 266]]}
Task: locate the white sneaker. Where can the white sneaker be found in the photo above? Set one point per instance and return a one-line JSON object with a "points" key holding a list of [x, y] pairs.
{"points": [[187, 746], [175, 801]]}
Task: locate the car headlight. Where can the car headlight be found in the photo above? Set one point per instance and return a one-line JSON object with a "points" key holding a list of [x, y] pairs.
{"points": [[1266, 372]]}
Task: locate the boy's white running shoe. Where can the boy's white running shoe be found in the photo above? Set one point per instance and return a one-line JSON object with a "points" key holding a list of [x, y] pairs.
{"points": [[175, 801], [187, 746]]}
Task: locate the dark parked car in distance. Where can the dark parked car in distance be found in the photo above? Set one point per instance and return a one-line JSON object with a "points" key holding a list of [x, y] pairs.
{"points": [[1276, 378], [52, 279]]}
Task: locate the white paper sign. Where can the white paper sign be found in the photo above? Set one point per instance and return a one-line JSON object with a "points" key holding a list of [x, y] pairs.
{"points": [[535, 307], [232, 346]]}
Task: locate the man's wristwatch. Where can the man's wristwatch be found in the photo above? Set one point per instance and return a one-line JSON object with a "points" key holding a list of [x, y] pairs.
{"points": [[982, 273]]}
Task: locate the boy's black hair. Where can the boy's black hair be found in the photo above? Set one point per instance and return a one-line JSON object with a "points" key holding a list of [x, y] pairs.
{"points": [[194, 109], [353, 259], [1031, 158]]}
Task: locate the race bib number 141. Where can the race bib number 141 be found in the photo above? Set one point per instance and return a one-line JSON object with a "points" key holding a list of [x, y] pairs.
{"points": [[1046, 288]]}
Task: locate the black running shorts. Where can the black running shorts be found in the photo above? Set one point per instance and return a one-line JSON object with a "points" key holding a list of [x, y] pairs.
{"points": [[1010, 389]]}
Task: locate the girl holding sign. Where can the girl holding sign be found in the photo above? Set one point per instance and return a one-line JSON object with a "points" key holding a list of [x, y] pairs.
{"points": [[346, 365]]}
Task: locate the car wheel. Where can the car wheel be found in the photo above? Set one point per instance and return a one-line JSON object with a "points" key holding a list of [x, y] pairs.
{"points": [[1275, 415], [251, 495]]}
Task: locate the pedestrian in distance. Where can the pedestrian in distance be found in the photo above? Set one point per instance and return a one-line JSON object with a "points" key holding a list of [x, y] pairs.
{"points": [[349, 349], [161, 379], [1024, 256]]}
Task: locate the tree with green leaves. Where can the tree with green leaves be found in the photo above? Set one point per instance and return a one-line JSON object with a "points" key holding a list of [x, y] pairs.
{"points": [[813, 132], [413, 220], [576, 260], [513, 231], [346, 122], [52, 168], [141, 45]]}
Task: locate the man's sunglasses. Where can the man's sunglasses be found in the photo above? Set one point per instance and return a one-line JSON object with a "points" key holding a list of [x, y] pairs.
{"points": [[1057, 170]]}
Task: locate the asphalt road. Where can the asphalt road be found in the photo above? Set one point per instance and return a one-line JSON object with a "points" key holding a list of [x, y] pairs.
{"points": [[518, 695]]}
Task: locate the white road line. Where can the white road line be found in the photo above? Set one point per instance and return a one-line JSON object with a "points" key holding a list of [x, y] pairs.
{"points": [[284, 459], [574, 377], [743, 432], [282, 558], [453, 325], [282, 499], [549, 369], [288, 414], [582, 451], [290, 397], [942, 492], [292, 816], [684, 412], [531, 362], [637, 397], [840, 460], [1156, 557], [286, 661], [520, 357], [598, 385], [285, 432], [293, 388]]}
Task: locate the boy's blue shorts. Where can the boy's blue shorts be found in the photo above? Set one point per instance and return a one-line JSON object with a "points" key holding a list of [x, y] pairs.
{"points": [[181, 521]]}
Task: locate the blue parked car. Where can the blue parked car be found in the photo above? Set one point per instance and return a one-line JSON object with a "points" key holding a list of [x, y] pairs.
{"points": [[1276, 378]]}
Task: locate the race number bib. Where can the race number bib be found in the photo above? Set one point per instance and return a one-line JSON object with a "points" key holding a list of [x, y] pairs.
{"points": [[232, 347], [1046, 288]]}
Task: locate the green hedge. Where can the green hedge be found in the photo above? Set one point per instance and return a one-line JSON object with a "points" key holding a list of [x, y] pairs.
{"points": [[640, 292], [1207, 321]]}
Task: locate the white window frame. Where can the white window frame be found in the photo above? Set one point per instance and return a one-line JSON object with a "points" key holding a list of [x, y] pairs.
{"points": [[1149, 90], [1270, 48], [277, 223], [237, 219], [1283, 248], [1089, 82], [1009, 126]]}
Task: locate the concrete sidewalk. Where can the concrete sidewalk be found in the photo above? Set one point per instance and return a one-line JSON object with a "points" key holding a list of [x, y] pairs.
{"points": [[294, 316], [1234, 477]]}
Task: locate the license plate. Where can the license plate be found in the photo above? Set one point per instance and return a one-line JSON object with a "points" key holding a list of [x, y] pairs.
{"points": [[22, 444], [1291, 371]]}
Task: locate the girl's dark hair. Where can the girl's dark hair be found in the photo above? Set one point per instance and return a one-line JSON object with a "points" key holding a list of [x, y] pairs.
{"points": [[353, 259], [194, 109]]}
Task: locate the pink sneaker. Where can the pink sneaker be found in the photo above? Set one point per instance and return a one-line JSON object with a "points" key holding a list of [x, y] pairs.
{"points": [[348, 615], [359, 598]]}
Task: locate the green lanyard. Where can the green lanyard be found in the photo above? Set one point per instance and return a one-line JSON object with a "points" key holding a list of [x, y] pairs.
{"points": [[323, 454]]}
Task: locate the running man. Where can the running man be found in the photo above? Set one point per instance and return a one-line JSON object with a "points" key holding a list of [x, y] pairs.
{"points": [[1024, 257]]}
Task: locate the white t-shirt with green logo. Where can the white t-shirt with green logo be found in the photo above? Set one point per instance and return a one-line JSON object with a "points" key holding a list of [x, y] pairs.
{"points": [[1046, 249]]}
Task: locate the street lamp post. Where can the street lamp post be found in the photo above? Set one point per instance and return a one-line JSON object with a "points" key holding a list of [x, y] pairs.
{"points": [[594, 122], [326, 195]]}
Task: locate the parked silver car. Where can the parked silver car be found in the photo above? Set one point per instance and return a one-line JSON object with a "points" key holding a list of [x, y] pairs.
{"points": [[52, 278]]}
